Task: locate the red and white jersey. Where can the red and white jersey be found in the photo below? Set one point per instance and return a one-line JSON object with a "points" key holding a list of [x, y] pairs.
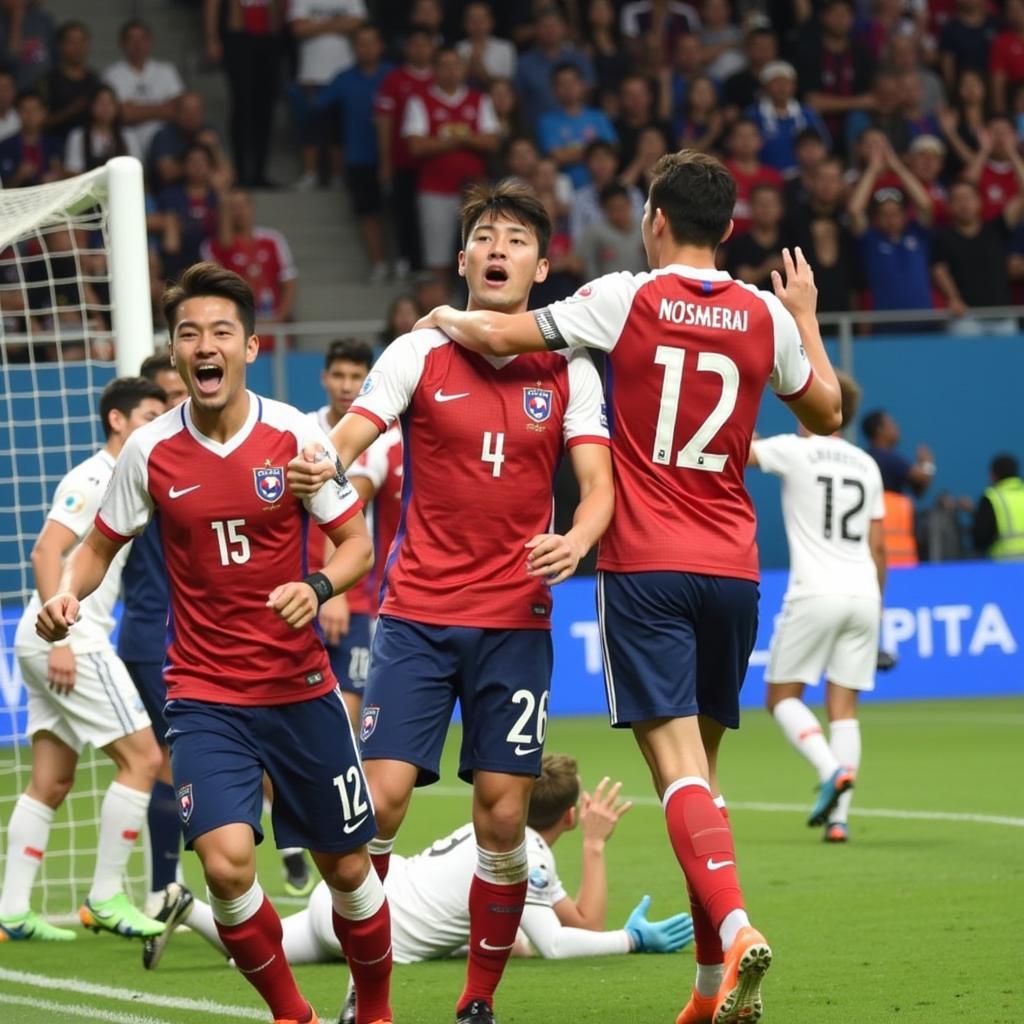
{"points": [[231, 532], [440, 115], [382, 465], [997, 186], [482, 440], [690, 351], [265, 260], [391, 99]]}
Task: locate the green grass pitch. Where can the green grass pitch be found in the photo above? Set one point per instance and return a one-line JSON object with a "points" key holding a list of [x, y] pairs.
{"points": [[919, 920]]}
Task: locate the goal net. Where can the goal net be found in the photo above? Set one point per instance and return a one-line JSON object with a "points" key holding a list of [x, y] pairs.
{"points": [[74, 312]]}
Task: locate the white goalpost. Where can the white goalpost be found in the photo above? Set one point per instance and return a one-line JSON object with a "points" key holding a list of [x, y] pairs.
{"points": [[74, 312]]}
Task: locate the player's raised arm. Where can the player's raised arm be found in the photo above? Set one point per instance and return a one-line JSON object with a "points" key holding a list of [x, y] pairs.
{"points": [[819, 407], [83, 573]]}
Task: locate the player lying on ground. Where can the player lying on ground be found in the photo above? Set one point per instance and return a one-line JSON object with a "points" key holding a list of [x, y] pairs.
{"points": [[429, 893], [467, 593], [249, 685], [79, 692], [833, 509], [690, 352]]}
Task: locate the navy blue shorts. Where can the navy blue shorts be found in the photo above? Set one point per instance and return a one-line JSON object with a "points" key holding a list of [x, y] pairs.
{"points": [[676, 644], [350, 656], [220, 751], [148, 677], [501, 678]]}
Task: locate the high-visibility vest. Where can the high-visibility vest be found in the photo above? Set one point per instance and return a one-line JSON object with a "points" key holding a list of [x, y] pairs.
{"points": [[1007, 500], [898, 530]]}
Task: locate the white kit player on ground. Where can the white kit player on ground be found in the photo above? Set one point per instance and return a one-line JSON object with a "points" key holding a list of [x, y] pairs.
{"points": [[80, 692], [429, 893], [833, 510]]}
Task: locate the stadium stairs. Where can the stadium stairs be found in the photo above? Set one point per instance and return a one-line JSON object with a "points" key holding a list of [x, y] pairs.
{"points": [[319, 225]]}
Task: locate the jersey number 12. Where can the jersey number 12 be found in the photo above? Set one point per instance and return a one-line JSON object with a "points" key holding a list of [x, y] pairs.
{"points": [[692, 455]]}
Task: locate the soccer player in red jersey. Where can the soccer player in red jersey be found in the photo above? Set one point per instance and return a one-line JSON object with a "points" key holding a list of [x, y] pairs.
{"points": [[466, 598], [249, 685], [690, 351]]}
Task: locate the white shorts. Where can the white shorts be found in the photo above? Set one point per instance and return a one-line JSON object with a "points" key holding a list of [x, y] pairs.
{"points": [[830, 633], [102, 707], [439, 217]]}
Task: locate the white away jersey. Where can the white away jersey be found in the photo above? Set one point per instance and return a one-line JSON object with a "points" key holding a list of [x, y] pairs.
{"points": [[831, 491], [75, 504]]}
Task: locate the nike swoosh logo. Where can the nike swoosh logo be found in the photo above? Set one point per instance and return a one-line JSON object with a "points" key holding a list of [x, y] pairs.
{"points": [[522, 752], [484, 944], [174, 493], [350, 828], [716, 865], [440, 396]]}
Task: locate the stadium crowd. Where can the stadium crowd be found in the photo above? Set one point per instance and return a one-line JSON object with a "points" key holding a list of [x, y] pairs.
{"points": [[882, 137]]}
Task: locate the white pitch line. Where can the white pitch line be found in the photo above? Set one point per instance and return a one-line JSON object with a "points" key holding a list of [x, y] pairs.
{"points": [[857, 812], [128, 995], [63, 1010]]}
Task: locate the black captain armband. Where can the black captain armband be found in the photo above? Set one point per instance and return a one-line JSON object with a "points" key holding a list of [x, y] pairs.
{"points": [[549, 330], [322, 587]]}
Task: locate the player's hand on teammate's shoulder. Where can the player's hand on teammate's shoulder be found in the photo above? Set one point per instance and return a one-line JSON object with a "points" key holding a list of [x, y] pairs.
{"points": [[309, 471], [58, 615], [552, 557], [798, 293], [334, 619], [429, 319], [60, 670], [295, 602], [600, 813]]}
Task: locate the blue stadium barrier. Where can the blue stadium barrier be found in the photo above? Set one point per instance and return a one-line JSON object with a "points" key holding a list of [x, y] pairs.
{"points": [[956, 629]]}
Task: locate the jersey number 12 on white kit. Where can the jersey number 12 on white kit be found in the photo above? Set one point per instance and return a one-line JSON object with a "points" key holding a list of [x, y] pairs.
{"points": [[692, 455], [835, 488]]}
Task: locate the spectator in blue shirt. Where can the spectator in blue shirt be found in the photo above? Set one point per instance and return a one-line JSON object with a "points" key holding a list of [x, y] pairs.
{"points": [[564, 133], [30, 157], [894, 248], [898, 474], [535, 69], [781, 117], [353, 92]]}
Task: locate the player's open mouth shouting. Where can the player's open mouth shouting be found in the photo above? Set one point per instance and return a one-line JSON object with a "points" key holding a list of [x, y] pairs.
{"points": [[496, 276], [208, 377]]}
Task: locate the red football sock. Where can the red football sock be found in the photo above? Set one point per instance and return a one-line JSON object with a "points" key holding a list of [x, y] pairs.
{"points": [[705, 935], [381, 863], [494, 915], [255, 945], [363, 927], [702, 841]]}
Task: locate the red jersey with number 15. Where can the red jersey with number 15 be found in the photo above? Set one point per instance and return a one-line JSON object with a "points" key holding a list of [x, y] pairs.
{"points": [[690, 352], [231, 532], [482, 438]]}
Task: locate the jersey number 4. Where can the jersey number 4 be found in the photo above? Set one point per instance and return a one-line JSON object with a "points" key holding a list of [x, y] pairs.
{"points": [[692, 455]]}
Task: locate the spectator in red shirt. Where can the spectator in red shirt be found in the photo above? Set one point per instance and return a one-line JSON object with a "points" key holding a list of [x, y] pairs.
{"points": [[397, 166], [450, 130], [992, 169], [260, 255], [1006, 58], [743, 144]]}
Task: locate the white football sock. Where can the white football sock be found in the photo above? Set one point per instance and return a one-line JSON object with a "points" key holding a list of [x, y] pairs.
{"points": [[362, 902], [730, 927], [122, 816], [803, 730], [289, 851], [28, 832], [509, 868], [845, 744], [709, 979], [238, 910]]}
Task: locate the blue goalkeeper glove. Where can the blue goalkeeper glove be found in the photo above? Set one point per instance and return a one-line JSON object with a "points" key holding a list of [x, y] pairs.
{"points": [[666, 936]]}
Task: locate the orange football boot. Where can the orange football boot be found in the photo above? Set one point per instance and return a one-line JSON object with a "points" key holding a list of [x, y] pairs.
{"points": [[739, 998], [699, 1010]]}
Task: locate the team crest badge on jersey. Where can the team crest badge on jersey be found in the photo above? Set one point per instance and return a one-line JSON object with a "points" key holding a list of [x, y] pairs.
{"points": [[185, 803], [537, 404], [269, 483], [369, 721], [539, 877]]}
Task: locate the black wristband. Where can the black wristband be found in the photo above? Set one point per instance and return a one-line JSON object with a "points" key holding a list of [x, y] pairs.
{"points": [[322, 587]]}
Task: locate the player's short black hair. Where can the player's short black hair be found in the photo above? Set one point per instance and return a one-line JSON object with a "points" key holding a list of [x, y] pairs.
{"points": [[124, 394], [557, 789], [849, 396], [872, 423], [509, 198], [157, 363], [696, 193], [209, 279], [1004, 466], [348, 350]]}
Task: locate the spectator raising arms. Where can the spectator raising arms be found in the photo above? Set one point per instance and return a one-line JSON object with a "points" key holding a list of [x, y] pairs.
{"points": [[486, 56]]}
